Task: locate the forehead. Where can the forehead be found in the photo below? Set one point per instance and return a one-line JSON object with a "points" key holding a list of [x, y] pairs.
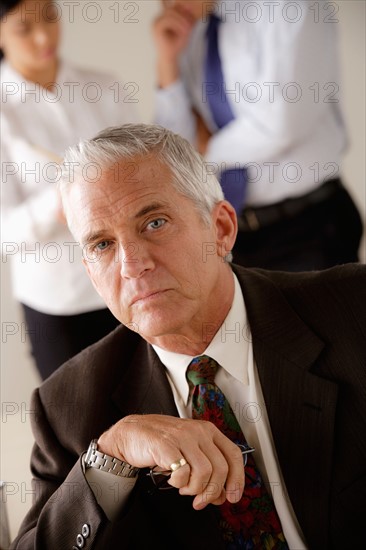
{"points": [[124, 178], [105, 195]]}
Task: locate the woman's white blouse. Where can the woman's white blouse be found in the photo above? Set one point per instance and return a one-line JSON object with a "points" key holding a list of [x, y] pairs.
{"points": [[36, 127]]}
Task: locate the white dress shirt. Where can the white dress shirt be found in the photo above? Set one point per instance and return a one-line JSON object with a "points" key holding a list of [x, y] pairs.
{"points": [[239, 381], [280, 66], [36, 127]]}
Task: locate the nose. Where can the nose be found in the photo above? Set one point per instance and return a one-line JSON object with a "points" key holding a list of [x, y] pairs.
{"points": [[135, 261], [42, 36]]}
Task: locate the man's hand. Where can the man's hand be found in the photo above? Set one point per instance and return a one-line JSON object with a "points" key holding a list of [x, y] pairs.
{"points": [[171, 31], [214, 471]]}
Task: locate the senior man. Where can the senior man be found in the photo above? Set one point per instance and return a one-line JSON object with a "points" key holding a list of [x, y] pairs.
{"points": [[231, 401]]}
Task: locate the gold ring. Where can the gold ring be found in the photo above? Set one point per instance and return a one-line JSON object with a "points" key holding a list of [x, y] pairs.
{"points": [[178, 464]]}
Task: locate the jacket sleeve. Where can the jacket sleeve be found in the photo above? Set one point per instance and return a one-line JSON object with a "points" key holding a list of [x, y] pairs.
{"points": [[64, 506]]}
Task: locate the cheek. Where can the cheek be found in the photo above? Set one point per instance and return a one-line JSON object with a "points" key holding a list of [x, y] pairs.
{"points": [[17, 47], [25, 49], [104, 275]]}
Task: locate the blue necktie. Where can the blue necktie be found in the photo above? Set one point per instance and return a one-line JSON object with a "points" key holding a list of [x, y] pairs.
{"points": [[233, 181]]}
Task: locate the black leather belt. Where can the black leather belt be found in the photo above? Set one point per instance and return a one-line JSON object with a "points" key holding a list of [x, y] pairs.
{"points": [[252, 219]]}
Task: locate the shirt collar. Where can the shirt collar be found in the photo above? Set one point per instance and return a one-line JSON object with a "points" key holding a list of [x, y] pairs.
{"points": [[229, 343]]}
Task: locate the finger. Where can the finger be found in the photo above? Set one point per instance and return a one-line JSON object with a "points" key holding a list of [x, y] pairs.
{"points": [[208, 475], [180, 11], [197, 502], [174, 26], [180, 477], [227, 473], [214, 490], [235, 480], [200, 472], [174, 22], [221, 499]]}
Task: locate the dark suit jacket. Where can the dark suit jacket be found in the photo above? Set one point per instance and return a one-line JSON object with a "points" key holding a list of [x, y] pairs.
{"points": [[308, 335]]}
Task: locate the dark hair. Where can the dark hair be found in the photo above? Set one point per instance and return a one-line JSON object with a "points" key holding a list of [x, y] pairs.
{"points": [[5, 7]]}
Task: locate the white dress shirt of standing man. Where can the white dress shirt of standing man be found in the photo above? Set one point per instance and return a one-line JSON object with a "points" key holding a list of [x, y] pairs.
{"points": [[287, 135]]}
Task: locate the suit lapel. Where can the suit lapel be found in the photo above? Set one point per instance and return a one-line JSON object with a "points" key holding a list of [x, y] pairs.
{"points": [[300, 404], [144, 388]]}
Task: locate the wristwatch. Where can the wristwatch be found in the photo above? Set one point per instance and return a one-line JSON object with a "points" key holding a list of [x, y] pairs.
{"points": [[106, 463]]}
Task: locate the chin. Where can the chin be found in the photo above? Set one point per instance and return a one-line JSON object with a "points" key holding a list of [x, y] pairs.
{"points": [[152, 331]]}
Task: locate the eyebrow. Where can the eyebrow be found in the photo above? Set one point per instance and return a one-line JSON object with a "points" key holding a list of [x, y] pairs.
{"points": [[150, 208], [94, 236]]}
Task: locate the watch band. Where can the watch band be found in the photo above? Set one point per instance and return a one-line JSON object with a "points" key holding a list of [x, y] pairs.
{"points": [[106, 463]]}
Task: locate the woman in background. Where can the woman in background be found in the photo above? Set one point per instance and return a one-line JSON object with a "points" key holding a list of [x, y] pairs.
{"points": [[48, 104]]}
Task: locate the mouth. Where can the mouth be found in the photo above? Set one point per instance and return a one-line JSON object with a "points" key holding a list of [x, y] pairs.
{"points": [[147, 297], [48, 53]]}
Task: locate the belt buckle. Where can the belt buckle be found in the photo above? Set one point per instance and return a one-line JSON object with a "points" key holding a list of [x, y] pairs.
{"points": [[251, 219]]}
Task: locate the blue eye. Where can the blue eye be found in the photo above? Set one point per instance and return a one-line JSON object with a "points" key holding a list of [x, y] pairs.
{"points": [[102, 245], [156, 224]]}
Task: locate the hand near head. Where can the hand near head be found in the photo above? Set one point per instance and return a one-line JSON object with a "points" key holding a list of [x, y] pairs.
{"points": [[171, 31], [214, 471]]}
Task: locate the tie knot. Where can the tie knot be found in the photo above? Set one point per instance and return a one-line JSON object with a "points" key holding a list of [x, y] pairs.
{"points": [[202, 370]]}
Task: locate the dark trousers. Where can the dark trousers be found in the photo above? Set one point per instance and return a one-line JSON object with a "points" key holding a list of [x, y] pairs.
{"points": [[56, 338], [301, 234]]}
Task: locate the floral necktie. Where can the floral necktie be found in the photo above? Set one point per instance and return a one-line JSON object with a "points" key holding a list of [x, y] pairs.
{"points": [[252, 523]]}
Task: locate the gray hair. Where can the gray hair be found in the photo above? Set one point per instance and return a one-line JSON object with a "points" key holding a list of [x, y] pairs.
{"points": [[190, 175]]}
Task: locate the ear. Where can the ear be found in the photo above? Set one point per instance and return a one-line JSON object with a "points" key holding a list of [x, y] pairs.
{"points": [[226, 224]]}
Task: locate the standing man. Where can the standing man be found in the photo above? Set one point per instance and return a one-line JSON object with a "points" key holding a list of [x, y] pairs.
{"points": [[227, 410], [255, 87]]}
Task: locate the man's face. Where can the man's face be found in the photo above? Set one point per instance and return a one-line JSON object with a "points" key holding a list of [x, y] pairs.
{"points": [[156, 263]]}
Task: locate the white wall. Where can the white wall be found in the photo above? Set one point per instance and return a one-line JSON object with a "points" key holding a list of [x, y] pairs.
{"points": [[120, 43], [126, 49]]}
